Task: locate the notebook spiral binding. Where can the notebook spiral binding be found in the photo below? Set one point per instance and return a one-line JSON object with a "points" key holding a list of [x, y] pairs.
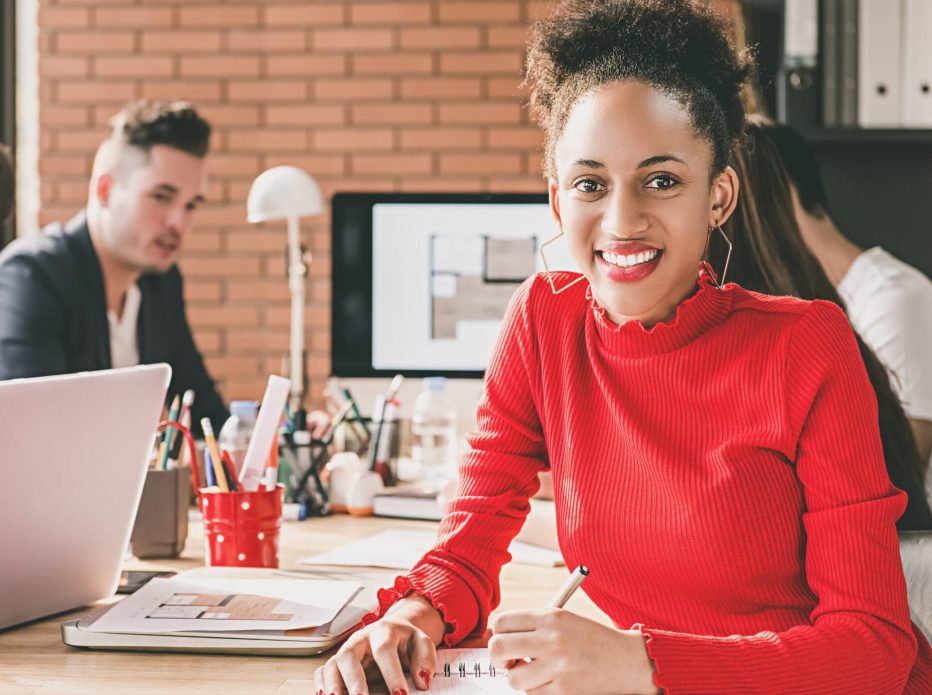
{"points": [[463, 670]]}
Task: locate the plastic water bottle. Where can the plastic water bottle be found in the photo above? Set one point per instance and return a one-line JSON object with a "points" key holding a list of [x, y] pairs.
{"points": [[433, 431], [236, 432]]}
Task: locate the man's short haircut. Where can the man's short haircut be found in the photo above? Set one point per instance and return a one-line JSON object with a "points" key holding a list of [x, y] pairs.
{"points": [[801, 165], [176, 124], [7, 183]]}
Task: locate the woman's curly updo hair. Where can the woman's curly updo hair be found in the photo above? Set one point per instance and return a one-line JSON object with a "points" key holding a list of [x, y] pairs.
{"points": [[681, 47]]}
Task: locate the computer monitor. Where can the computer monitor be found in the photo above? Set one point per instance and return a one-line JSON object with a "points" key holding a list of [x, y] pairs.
{"points": [[421, 281]]}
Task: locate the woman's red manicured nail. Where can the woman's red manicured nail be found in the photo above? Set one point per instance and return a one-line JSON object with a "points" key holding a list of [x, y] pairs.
{"points": [[425, 676], [401, 692]]}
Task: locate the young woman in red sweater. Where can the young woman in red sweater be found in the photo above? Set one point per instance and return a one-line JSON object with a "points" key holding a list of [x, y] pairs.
{"points": [[715, 453]]}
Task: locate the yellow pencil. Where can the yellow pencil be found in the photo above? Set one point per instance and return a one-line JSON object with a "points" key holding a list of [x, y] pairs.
{"points": [[214, 454]]}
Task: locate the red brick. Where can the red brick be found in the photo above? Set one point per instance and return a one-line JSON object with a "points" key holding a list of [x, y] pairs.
{"points": [[202, 290], [352, 139], [447, 184], [220, 215], [61, 164], [493, 112], [180, 41], [226, 115], [198, 91], [358, 183], [308, 115], [233, 366], [391, 114], [441, 139], [202, 240], [517, 185], [240, 388], [133, 66], [275, 139], [441, 88], [208, 341], [261, 291], [311, 14], [393, 64], [515, 138], [58, 115], [72, 191], [443, 38], [64, 66], [218, 16], [488, 164], [351, 40], [266, 239], [506, 87], [353, 89], [537, 9], [481, 63], [394, 164], [362, 13], [95, 42], [484, 12], [96, 91], [266, 41], [507, 37], [220, 66], [267, 90], [306, 65], [220, 267], [314, 164], [133, 17], [79, 140], [263, 341], [63, 18]]}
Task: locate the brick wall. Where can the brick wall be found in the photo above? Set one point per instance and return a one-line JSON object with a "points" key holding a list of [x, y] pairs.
{"points": [[419, 95]]}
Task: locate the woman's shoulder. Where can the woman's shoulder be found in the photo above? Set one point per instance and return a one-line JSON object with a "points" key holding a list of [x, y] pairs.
{"points": [[818, 320]]}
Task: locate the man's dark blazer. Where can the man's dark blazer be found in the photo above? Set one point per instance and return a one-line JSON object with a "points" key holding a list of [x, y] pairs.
{"points": [[53, 316]]}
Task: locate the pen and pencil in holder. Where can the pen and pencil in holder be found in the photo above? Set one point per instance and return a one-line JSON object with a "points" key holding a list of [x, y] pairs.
{"points": [[241, 527], [161, 526]]}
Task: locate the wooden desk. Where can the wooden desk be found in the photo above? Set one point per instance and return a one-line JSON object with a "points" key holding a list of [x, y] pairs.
{"points": [[33, 658]]}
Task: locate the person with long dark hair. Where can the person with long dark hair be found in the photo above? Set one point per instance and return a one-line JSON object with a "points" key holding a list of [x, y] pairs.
{"points": [[770, 256]]}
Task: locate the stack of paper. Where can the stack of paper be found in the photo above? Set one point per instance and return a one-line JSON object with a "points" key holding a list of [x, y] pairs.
{"points": [[226, 604]]}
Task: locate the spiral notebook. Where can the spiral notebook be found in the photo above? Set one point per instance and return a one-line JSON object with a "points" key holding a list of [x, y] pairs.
{"points": [[466, 671]]}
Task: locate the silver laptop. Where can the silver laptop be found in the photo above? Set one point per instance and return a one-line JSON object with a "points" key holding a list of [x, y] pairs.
{"points": [[73, 456]]}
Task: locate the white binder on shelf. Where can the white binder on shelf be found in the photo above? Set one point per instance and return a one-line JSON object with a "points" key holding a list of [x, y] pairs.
{"points": [[879, 56], [917, 63]]}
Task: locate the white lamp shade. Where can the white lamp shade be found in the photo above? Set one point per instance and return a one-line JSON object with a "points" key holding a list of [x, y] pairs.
{"points": [[281, 193]]}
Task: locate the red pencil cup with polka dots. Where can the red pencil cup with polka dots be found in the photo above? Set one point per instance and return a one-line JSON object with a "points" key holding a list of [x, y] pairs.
{"points": [[241, 529]]}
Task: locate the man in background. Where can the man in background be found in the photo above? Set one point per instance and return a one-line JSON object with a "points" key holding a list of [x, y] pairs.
{"points": [[7, 183], [103, 290], [888, 302]]}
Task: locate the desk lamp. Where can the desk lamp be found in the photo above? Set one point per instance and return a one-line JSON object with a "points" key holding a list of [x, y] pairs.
{"points": [[289, 193]]}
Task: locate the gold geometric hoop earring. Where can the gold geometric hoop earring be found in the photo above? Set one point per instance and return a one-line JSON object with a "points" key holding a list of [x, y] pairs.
{"points": [[553, 287], [704, 263]]}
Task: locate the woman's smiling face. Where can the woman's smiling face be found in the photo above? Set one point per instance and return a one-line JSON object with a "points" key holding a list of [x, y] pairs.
{"points": [[635, 197]]}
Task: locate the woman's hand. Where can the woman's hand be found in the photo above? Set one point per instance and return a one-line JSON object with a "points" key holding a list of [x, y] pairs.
{"points": [[405, 637], [568, 654]]}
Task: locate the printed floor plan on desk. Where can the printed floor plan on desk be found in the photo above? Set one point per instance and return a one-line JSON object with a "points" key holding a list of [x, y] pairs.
{"points": [[219, 607]]}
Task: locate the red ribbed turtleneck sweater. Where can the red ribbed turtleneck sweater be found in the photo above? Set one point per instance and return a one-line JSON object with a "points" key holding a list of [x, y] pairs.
{"points": [[720, 474]]}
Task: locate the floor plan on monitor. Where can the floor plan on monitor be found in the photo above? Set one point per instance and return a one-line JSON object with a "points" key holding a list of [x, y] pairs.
{"points": [[443, 276], [219, 607], [472, 278]]}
